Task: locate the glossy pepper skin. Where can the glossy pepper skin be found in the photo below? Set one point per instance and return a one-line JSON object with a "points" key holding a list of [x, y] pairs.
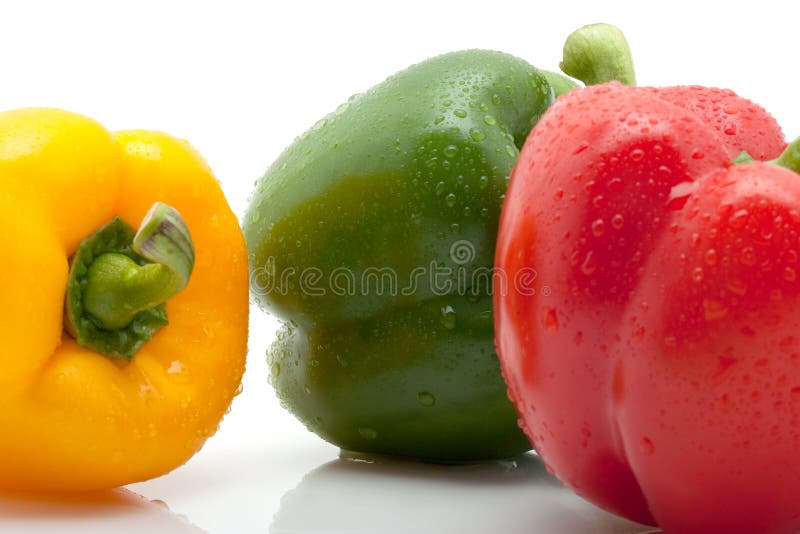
{"points": [[658, 374], [403, 181], [73, 419]]}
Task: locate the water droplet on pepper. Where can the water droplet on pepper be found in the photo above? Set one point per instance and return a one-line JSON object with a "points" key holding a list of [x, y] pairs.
{"points": [[551, 320], [589, 264], [367, 433], [598, 228], [714, 310], [426, 398], [448, 317]]}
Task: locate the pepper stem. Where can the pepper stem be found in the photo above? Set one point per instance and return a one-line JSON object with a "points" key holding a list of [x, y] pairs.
{"points": [[743, 157], [790, 157], [598, 53], [119, 281], [561, 84], [117, 288]]}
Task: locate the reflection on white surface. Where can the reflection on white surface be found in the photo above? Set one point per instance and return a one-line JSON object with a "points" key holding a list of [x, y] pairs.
{"points": [[394, 496], [119, 511]]}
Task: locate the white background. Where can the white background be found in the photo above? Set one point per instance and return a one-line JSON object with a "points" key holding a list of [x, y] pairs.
{"points": [[240, 80]]}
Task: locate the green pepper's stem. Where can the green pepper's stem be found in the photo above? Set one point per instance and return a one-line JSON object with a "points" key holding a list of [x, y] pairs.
{"points": [[117, 287], [560, 83], [790, 157], [598, 53]]}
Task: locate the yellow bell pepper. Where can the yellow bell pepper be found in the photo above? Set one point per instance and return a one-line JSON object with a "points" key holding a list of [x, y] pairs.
{"points": [[71, 418]]}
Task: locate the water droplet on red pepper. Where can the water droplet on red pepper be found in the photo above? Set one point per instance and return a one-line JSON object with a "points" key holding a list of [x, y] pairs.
{"points": [[598, 228], [551, 320], [748, 256], [737, 287], [615, 185], [738, 219], [581, 148], [714, 310], [589, 264], [637, 154]]}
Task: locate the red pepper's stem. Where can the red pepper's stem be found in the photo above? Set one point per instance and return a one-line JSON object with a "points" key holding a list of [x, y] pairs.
{"points": [[790, 157], [598, 53], [743, 157]]}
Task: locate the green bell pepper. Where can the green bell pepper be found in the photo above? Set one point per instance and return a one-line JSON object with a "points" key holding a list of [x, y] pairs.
{"points": [[373, 236]]}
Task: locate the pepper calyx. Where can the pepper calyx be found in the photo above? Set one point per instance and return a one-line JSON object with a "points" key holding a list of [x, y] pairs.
{"points": [[120, 280], [790, 157]]}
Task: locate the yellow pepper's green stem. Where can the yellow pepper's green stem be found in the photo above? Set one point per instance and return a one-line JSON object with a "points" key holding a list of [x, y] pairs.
{"points": [[117, 288], [119, 281], [598, 53]]}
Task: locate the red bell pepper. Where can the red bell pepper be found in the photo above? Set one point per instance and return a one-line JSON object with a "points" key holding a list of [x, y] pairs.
{"points": [[656, 369]]}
